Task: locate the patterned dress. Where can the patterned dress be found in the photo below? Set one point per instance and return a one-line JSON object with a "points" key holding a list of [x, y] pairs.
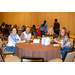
{"points": [[65, 45]]}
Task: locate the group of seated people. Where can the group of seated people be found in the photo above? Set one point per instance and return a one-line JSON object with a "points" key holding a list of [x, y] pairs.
{"points": [[26, 35]]}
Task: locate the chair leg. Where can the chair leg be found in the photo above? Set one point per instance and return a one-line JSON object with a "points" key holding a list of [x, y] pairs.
{"points": [[4, 56]]}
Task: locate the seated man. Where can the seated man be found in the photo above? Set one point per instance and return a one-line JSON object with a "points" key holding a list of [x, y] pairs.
{"points": [[26, 35]]}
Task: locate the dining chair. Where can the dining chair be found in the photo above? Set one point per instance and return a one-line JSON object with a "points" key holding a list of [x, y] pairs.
{"points": [[1, 36], [19, 32], [5, 52], [9, 59], [0, 43], [31, 59], [69, 57], [72, 42]]}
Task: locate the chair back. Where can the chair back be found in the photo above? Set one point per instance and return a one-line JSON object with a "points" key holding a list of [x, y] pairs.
{"points": [[0, 43], [32, 59], [69, 56], [72, 42], [19, 32], [1, 57], [1, 36]]}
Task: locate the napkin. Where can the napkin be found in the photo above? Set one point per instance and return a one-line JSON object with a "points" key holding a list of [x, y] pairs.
{"points": [[36, 41]]}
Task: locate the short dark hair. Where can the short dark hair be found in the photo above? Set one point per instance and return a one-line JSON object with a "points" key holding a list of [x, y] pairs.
{"points": [[44, 21], [56, 19], [6, 25]]}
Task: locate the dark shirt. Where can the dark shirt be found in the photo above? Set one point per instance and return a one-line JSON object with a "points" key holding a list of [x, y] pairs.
{"points": [[1, 28], [56, 26], [5, 30], [54, 35]]}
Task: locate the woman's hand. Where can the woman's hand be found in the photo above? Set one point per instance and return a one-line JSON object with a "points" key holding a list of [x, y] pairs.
{"points": [[55, 40]]}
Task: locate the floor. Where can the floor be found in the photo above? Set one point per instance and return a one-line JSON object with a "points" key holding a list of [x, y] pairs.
{"points": [[33, 37]]}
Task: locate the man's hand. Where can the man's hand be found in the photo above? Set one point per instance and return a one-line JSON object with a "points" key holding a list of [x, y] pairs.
{"points": [[28, 39]]}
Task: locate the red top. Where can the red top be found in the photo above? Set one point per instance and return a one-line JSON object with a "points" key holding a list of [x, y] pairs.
{"points": [[38, 31], [55, 21], [5, 30]]}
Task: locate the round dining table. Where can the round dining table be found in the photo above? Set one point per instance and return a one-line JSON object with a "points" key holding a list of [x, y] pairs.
{"points": [[37, 50]]}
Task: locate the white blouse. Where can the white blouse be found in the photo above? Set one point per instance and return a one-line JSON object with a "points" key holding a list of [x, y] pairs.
{"points": [[11, 42]]}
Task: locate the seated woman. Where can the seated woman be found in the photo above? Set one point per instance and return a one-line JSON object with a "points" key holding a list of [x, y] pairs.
{"points": [[12, 40], [26, 35], [51, 33], [64, 41]]}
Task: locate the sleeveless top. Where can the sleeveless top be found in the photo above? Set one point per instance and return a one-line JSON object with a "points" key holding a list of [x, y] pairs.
{"points": [[27, 36]]}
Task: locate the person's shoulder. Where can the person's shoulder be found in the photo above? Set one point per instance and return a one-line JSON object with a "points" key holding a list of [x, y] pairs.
{"points": [[65, 36], [41, 23], [54, 33], [30, 33], [46, 24], [17, 34], [23, 32], [9, 36]]}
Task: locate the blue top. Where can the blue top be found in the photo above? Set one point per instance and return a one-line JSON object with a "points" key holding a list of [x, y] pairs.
{"points": [[14, 37], [43, 28]]}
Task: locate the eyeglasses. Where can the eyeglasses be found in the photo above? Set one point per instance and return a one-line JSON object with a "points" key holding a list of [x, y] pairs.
{"points": [[14, 30]]}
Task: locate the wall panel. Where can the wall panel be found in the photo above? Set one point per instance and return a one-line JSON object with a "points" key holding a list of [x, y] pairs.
{"points": [[5, 16], [27, 18], [40, 18], [56, 15], [9, 18], [64, 20], [48, 18], [1, 17], [33, 18], [72, 22], [15, 18], [21, 19]]}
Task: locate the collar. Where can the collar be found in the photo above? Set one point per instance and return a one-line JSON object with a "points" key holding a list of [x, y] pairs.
{"points": [[52, 34], [27, 33], [13, 34]]}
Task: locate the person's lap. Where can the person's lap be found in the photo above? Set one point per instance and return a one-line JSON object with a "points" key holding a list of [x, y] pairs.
{"points": [[11, 49], [64, 50]]}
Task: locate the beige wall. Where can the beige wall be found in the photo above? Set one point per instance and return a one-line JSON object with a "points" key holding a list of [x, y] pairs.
{"points": [[66, 19], [1, 17]]}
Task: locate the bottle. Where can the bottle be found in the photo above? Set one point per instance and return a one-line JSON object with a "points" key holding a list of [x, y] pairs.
{"points": [[42, 36]]}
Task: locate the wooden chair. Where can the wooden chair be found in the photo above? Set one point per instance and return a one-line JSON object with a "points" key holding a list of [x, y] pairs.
{"points": [[5, 52], [0, 43], [19, 32], [32, 59], [1, 36], [72, 42], [69, 57], [9, 59]]}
